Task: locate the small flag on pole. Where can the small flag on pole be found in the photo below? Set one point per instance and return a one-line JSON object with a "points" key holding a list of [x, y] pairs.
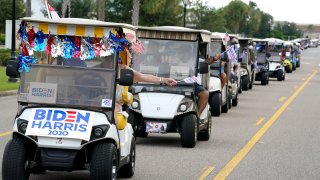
{"points": [[226, 37], [52, 14], [231, 53]]}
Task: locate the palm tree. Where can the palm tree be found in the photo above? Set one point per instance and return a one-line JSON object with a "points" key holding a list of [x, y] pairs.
{"points": [[135, 12], [101, 10], [28, 8]]}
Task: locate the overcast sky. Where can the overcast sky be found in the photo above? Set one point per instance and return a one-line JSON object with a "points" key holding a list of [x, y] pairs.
{"points": [[298, 11]]}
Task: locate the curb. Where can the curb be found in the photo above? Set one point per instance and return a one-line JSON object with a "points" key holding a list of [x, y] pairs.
{"points": [[8, 93]]}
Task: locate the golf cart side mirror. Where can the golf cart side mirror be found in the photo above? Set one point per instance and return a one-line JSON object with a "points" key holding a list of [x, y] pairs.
{"points": [[203, 67], [268, 55], [12, 69], [126, 77]]}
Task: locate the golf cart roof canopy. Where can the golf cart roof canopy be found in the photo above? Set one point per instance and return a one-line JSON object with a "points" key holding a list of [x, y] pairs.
{"points": [[217, 35], [274, 41], [259, 40], [76, 26], [173, 33]]}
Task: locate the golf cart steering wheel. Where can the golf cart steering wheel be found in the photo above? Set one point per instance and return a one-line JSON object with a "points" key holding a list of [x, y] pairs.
{"points": [[91, 84]]}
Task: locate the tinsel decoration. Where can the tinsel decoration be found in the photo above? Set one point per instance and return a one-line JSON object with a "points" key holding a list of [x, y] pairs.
{"points": [[31, 36], [40, 43], [24, 62]]}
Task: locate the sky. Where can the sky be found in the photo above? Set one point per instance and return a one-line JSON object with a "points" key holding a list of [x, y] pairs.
{"points": [[297, 11]]}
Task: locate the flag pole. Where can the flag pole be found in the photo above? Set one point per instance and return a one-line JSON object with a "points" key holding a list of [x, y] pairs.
{"points": [[46, 3]]}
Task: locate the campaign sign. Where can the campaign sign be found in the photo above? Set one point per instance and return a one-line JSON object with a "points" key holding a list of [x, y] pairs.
{"points": [[60, 123], [42, 92]]}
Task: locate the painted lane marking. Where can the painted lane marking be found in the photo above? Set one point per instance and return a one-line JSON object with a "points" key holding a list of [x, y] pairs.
{"points": [[6, 133], [206, 173], [259, 121], [282, 99], [233, 163]]}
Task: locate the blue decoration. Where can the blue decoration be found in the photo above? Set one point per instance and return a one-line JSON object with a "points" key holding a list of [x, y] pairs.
{"points": [[23, 31], [24, 62], [68, 50], [39, 42], [117, 43]]}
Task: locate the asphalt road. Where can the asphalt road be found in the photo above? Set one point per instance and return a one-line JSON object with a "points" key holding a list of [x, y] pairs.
{"points": [[272, 134]]}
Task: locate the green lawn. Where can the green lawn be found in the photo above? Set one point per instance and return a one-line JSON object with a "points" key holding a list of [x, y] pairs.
{"points": [[4, 84]]}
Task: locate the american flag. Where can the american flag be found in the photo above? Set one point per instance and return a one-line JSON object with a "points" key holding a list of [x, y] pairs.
{"points": [[231, 53], [192, 79], [226, 37]]}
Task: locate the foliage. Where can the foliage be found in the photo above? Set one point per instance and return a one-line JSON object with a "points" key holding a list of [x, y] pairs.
{"points": [[79, 8], [237, 15], [286, 30], [6, 12], [2, 38], [5, 55], [5, 85]]}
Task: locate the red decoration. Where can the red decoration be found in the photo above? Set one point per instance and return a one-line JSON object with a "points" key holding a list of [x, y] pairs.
{"points": [[24, 50], [31, 35], [96, 46], [77, 42], [49, 42]]}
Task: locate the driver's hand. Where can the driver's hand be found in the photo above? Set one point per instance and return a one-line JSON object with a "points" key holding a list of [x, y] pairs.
{"points": [[169, 81]]}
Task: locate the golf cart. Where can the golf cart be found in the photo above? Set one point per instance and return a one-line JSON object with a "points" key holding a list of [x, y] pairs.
{"points": [[276, 68], [262, 55], [65, 120], [171, 52], [246, 57], [290, 55], [219, 99], [233, 71]]}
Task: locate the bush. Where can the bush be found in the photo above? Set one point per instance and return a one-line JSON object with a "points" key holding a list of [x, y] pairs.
{"points": [[5, 55], [2, 38]]}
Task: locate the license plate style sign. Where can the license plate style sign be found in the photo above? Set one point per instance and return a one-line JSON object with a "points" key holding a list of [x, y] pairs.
{"points": [[154, 127], [63, 123]]}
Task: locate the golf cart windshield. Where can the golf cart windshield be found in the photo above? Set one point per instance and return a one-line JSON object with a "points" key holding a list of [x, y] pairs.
{"points": [[67, 86], [215, 48], [261, 53], [167, 58], [244, 55], [274, 52]]}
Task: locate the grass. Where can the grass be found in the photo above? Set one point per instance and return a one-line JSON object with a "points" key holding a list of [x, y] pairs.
{"points": [[4, 84]]}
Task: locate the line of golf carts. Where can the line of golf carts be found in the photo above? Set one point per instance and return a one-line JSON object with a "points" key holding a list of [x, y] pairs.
{"points": [[66, 116]]}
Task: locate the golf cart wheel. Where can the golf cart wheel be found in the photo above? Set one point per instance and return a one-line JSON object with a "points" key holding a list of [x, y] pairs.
{"points": [[240, 87], [245, 83], [298, 64], [264, 78], [230, 98], [280, 75], [294, 67], [235, 101], [288, 69], [15, 160], [189, 130], [104, 162], [204, 135], [127, 170], [215, 104]]}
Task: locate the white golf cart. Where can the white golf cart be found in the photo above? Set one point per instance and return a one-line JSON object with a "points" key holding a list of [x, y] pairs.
{"points": [[219, 98], [276, 68], [65, 120], [262, 55], [247, 59], [171, 52]]}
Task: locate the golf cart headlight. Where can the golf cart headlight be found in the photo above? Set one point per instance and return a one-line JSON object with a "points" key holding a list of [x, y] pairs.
{"points": [[22, 125], [242, 72], [98, 132], [183, 107], [135, 105]]}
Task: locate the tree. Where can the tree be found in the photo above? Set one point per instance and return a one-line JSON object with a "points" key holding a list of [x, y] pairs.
{"points": [[205, 17], [28, 8], [135, 12], [264, 30], [161, 13], [237, 16], [101, 9], [6, 12], [119, 11]]}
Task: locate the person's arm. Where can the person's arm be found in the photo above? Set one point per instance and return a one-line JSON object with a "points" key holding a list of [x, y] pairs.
{"points": [[148, 78], [212, 59]]}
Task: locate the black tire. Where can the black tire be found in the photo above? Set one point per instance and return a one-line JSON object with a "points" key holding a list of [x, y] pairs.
{"points": [[245, 83], [298, 64], [264, 78], [132, 121], [15, 160], [230, 98], [288, 70], [205, 134], [235, 101], [104, 162], [251, 82], [240, 88], [225, 108], [188, 130], [280, 75], [127, 170], [215, 104]]}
